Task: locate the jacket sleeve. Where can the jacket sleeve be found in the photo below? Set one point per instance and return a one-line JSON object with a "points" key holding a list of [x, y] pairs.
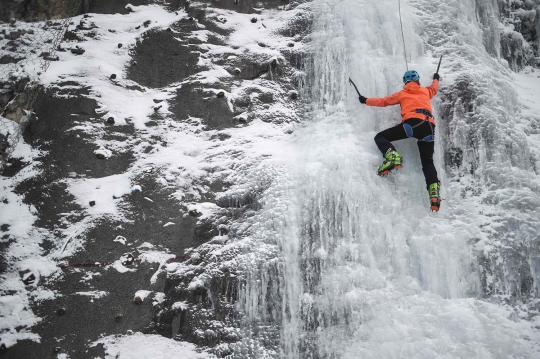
{"points": [[384, 101], [433, 89]]}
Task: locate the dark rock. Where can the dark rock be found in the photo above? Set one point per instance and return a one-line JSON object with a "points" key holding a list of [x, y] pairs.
{"points": [[57, 349], [101, 156], [274, 63], [293, 95], [113, 31], [20, 84], [157, 101], [86, 16], [127, 259], [112, 77], [14, 35], [4, 227], [138, 27], [161, 60], [92, 203], [29, 278], [220, 94], [266, 97], [118, 317], [221, 136], [120, 46], [4, 144], [61, 311], [72, 36], [223, 230], [147, 23], [192, 101], [137, 300], [253, 19], [77, 51], [290, 44], [194, 213], [51, 58], [157, 108], [110, 120], [15, 165], [8, 59]]}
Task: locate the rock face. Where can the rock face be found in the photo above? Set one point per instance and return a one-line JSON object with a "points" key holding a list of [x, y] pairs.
{"points": [[176, 129], [36, 10], [520, 38], [158, 62], [15, 98]]}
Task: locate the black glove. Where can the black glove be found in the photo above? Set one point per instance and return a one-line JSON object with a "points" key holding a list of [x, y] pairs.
{"points": [[362, 99], [436, 77]]}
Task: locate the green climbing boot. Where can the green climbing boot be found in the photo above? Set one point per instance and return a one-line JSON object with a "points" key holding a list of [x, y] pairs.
{"points": [[392, 160], [434, 198]]}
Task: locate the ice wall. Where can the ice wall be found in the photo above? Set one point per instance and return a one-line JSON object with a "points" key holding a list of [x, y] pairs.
{"points": [[376, 275]]}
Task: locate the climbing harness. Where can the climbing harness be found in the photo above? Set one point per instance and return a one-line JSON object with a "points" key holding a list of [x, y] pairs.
{"points": [[409, 129], [403, 36]]}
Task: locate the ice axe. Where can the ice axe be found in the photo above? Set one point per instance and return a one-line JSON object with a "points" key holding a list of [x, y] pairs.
{"points": [[438, 67], [356, 88]]}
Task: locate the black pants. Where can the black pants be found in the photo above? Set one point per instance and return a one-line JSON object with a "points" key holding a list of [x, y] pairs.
{"points": [[383, 139]]}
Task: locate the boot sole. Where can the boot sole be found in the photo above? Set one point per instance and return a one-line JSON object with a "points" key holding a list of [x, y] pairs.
{"points": [[435, 204], [387, 172]]}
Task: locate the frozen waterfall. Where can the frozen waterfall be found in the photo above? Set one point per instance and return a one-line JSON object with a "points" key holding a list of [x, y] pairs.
{"points": [[363, 269]]}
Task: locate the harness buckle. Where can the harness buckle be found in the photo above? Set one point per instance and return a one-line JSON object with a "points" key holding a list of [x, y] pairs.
{"points": [[425, 112]]}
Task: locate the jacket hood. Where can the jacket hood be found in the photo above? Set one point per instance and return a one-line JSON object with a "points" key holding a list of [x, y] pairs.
{"points": [[411, 87]]}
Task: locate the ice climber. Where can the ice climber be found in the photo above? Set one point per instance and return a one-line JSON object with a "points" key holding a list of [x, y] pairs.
{"points": [[417, 122]]}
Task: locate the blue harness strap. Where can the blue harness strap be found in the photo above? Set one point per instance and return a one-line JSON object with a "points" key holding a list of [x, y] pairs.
{"points": [[409, 129], [429, 138]]}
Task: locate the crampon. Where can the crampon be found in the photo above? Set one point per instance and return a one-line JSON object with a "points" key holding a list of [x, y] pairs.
{"points": [[387, 171], [392, 161], [435, 203]]}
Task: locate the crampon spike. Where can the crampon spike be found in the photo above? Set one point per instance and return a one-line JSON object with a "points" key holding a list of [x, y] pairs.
{"points": [[435, 204]]}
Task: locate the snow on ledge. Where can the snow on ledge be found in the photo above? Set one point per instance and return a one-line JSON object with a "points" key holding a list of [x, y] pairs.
{"points": [[153, 346]]}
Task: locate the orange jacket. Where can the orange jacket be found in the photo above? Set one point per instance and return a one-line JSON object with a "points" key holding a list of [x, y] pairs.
{"points": [[412, 97]]}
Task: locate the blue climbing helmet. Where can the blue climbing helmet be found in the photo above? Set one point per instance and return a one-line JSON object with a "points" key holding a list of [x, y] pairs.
{"points": [[410, 75]]}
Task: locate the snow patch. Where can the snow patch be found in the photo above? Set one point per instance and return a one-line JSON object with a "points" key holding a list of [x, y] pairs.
{"points": [[152, 346]]}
